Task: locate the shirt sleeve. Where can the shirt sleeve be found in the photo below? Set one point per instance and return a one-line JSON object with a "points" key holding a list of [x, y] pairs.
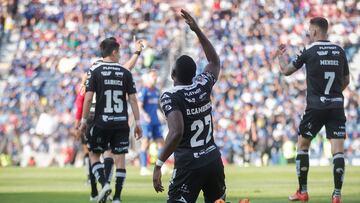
{"points": [[206, 79], [346, 66], [300, 59], [79, 104], [130, 84], [168, 103], [90, 81]]}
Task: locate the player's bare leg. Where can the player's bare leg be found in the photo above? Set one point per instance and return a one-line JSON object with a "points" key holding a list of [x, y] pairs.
{"points": [[98, 171], [302, 169], [143, 157], [337, 149]]}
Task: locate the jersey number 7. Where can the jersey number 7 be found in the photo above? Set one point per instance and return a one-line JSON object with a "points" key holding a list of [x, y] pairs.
{"points": [[331, 77]]}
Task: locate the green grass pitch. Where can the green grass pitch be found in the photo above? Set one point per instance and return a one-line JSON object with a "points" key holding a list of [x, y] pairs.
{"points": [[266, 184]]}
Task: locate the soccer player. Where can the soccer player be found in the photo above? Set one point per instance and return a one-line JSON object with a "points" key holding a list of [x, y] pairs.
{"points": [[108, 160], [79, 106], [113, 84], [187, 107], [149, 102], [327, 75]]}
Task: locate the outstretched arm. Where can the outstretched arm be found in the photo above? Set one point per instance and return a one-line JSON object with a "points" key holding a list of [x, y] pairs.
{"points": [[211, 55], [176, 130], [285, 67], [130, 64]]}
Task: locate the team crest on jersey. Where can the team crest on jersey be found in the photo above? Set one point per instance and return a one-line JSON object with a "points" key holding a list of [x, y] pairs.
{"points": [[202, 95], [119, 74], [335, 53]]}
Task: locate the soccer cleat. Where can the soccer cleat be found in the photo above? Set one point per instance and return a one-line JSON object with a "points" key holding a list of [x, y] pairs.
{"points": [[116, 201], [298, 196], [336, 199], [104, 193], [145, 172], [93, 199]]}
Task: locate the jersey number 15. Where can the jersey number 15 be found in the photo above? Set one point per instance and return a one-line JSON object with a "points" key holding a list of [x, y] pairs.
{"points": [[113, 96]]}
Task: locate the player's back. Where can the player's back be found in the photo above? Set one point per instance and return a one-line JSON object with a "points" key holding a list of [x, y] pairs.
{"points": [[112, 83], [326, 66], [197, 147]]}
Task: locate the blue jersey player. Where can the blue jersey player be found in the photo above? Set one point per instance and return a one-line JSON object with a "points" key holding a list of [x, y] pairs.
{"points": [[149, 104]]}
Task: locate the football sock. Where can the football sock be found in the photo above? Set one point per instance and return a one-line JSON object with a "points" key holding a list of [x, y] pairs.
{"points": [[143, 158], [108, 166], [302, 169], [94, 191], [338, 171], [98, 171], [120, 178]]}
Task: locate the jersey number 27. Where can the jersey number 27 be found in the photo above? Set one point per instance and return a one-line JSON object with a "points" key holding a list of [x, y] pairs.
{"points": [[198, 126]]}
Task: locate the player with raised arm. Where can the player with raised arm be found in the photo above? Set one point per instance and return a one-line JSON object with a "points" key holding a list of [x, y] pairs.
{"points": [[327, 75], [188, 109], [114, 86], [108, 160]]}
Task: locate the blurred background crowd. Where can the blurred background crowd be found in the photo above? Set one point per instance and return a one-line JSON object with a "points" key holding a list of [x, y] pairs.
{"points": [[256, 109]]}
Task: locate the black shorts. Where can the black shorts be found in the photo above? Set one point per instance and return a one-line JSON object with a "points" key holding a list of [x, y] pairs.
{"points": [[314, 119], [102, 139], [186, 184]]}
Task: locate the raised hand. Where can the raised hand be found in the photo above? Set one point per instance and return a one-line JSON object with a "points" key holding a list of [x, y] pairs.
{"points": [[280, 51], [139, 45], [190, 20]]}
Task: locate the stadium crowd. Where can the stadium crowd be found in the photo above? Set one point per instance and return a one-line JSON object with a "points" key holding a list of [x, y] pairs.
{"points": [[256, 110]]}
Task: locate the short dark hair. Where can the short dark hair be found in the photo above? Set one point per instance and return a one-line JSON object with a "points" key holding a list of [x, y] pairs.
{"points": [[108, 45], [321, 22], [184, 69]]}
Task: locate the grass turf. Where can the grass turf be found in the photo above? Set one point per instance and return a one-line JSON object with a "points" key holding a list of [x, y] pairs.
{"points": [[267, 184]]}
